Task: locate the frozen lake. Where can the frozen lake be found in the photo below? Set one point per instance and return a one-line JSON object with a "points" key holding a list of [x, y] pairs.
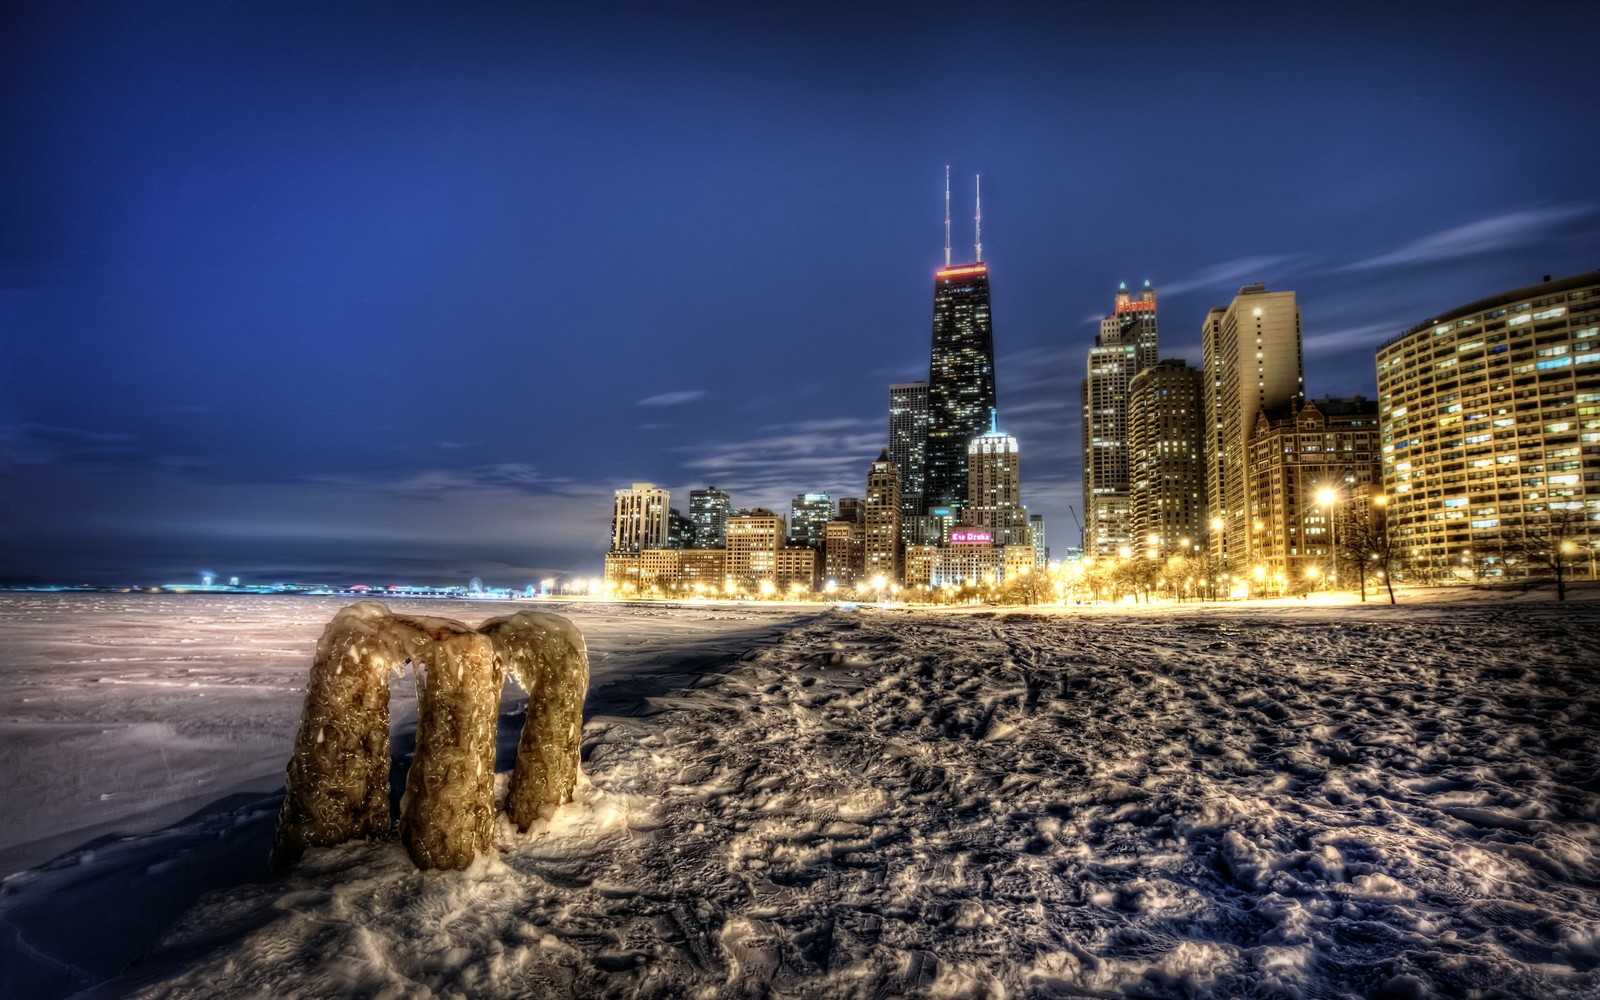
{"points": [[125, 712], [1304, 801]]}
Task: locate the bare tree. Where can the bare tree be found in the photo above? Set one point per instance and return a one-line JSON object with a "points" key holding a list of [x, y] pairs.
{"points": [[1553, 543], [1033, 587], [1365, 543]]}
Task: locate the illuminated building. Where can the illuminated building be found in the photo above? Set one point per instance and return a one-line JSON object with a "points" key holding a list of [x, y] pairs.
{"points": [[919, 560], [970, 559], [929, 528], [1166, 457], [881, 538], [639, 518], [1252, 363], [961, 393], [808, 512], [660, 571], [754, 538], [668, 572], [796, 568], [908, 442], [841, 551], [1015, 561], [1041, 551], [622, 573], [1308, 464], [680, 530], [1126, 345], [708, 511], [994, 488], [1490, 415]]}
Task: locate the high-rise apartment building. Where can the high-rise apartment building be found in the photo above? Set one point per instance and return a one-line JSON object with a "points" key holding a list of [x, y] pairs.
{"points": [[908, 441], [639, 518], [680, 530], [754, 538], [961, 391], [881, 538], [994, 488], [1041, 550], [708, 512], [1128, 343], [841, 552], [1252, 363], [1311, 463], [808, 512], [1490, 415], [853, 509], [1166, 457]]}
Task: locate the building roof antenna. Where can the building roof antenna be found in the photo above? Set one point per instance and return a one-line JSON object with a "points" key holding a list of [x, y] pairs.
{"points": [[977, 219], [947, 215]]}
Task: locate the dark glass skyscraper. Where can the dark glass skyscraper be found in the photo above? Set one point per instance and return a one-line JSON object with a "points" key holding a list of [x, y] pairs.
{"points": [[961, 397]]}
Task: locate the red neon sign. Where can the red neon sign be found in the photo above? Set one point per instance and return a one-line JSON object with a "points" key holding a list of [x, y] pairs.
{"points": [[1135, 307]]}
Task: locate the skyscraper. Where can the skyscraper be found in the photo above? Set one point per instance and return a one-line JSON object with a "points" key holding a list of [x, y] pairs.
{"points": [[808, 512], [961, 393], [1503, 446], [908, 441], [994, 488], [639, 518], [1166, 458], [708, 510], [881, 547], [1126, 345], [1252, 363]]}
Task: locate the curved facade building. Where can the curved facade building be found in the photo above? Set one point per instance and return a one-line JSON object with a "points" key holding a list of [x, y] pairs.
{"points": [[1490, 420]]}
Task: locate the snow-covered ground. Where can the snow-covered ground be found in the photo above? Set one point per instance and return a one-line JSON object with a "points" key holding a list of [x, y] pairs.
{"points": [[1293, 800]]}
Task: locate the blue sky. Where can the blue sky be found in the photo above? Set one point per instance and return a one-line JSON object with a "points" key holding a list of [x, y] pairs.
{"points": [[401, 292]]}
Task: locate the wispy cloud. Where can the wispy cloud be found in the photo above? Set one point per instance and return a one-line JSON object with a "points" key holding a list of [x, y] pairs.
{"points": [[673, 398], [443, 484], [1498, 232], [1367, 335], [1220, 277], [48, 444], [791, 458]]}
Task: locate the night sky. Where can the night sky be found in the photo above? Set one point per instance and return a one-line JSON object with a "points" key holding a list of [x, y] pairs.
{"points": [[400, 293]]}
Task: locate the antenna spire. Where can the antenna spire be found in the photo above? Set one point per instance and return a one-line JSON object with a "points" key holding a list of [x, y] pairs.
{"points": [[977, 220], [947, 215]]}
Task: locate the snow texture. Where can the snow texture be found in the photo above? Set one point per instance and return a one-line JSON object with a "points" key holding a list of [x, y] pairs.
{"points": [[547, 656], [338, 777], [143, 740], [1285, 801], [1302, 804]]}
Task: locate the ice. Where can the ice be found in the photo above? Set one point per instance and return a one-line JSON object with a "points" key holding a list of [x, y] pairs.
{"points": [[447, 812], [546, 655], [338, 776]]}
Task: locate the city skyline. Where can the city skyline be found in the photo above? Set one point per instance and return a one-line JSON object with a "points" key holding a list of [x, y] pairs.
{"points": [[415, 316]]}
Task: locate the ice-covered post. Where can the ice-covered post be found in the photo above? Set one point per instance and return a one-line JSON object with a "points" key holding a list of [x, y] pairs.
{"points": [[546, 655], [338, 776], [447, 814]]}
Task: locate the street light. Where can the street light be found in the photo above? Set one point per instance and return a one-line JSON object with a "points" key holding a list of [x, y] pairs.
{"points": [[1326, 498]]}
